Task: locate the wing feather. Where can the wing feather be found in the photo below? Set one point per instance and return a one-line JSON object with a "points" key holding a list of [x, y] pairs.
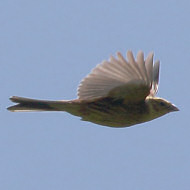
{"points": [[133, 64], [149, 67], [141, 64], [121, 78], [155, 77]]}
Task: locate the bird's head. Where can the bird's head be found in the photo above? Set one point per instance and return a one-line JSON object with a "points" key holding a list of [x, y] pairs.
{"points": [[160, 106]]}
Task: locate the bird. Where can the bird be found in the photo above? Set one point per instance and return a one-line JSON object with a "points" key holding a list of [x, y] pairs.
{"points": [[118, 92]]}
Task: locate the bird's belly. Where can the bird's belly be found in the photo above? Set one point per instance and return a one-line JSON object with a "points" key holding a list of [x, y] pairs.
{"points": [[113, 118], [112, 114]]}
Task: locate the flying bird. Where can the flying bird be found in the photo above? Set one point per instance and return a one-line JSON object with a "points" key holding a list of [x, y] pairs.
{"points": [[117, 93]]}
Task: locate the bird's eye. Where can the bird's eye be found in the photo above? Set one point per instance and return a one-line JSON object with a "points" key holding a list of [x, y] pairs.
{"points": [[162, 103]]}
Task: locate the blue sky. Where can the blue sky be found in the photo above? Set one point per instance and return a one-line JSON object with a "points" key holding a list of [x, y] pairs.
{"points": [[46, 48]]}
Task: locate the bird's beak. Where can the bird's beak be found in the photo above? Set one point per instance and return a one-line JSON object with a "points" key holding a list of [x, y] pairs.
{"points": [[174, 108]]}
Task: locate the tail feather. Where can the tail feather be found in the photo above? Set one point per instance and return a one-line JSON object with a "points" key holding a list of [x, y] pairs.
{"points": [[27, 104]]}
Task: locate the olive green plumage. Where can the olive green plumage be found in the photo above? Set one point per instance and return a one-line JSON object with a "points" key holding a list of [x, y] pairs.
{"points": [[117, 93]]}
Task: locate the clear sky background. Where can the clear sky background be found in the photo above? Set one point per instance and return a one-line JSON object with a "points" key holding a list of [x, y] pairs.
{"points": [[46, 48]]}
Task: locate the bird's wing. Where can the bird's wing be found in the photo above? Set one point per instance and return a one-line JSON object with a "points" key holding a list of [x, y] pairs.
{"points": [[120, 78]]}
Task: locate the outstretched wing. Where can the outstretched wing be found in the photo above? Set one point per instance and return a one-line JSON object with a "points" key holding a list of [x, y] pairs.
{"points": [[132, 80]]}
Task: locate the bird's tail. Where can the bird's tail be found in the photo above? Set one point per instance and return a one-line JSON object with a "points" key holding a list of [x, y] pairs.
{"points": [[27, 104]]}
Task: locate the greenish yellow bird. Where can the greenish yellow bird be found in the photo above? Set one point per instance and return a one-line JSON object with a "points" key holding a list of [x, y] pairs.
{"points": [[117, 93]]}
